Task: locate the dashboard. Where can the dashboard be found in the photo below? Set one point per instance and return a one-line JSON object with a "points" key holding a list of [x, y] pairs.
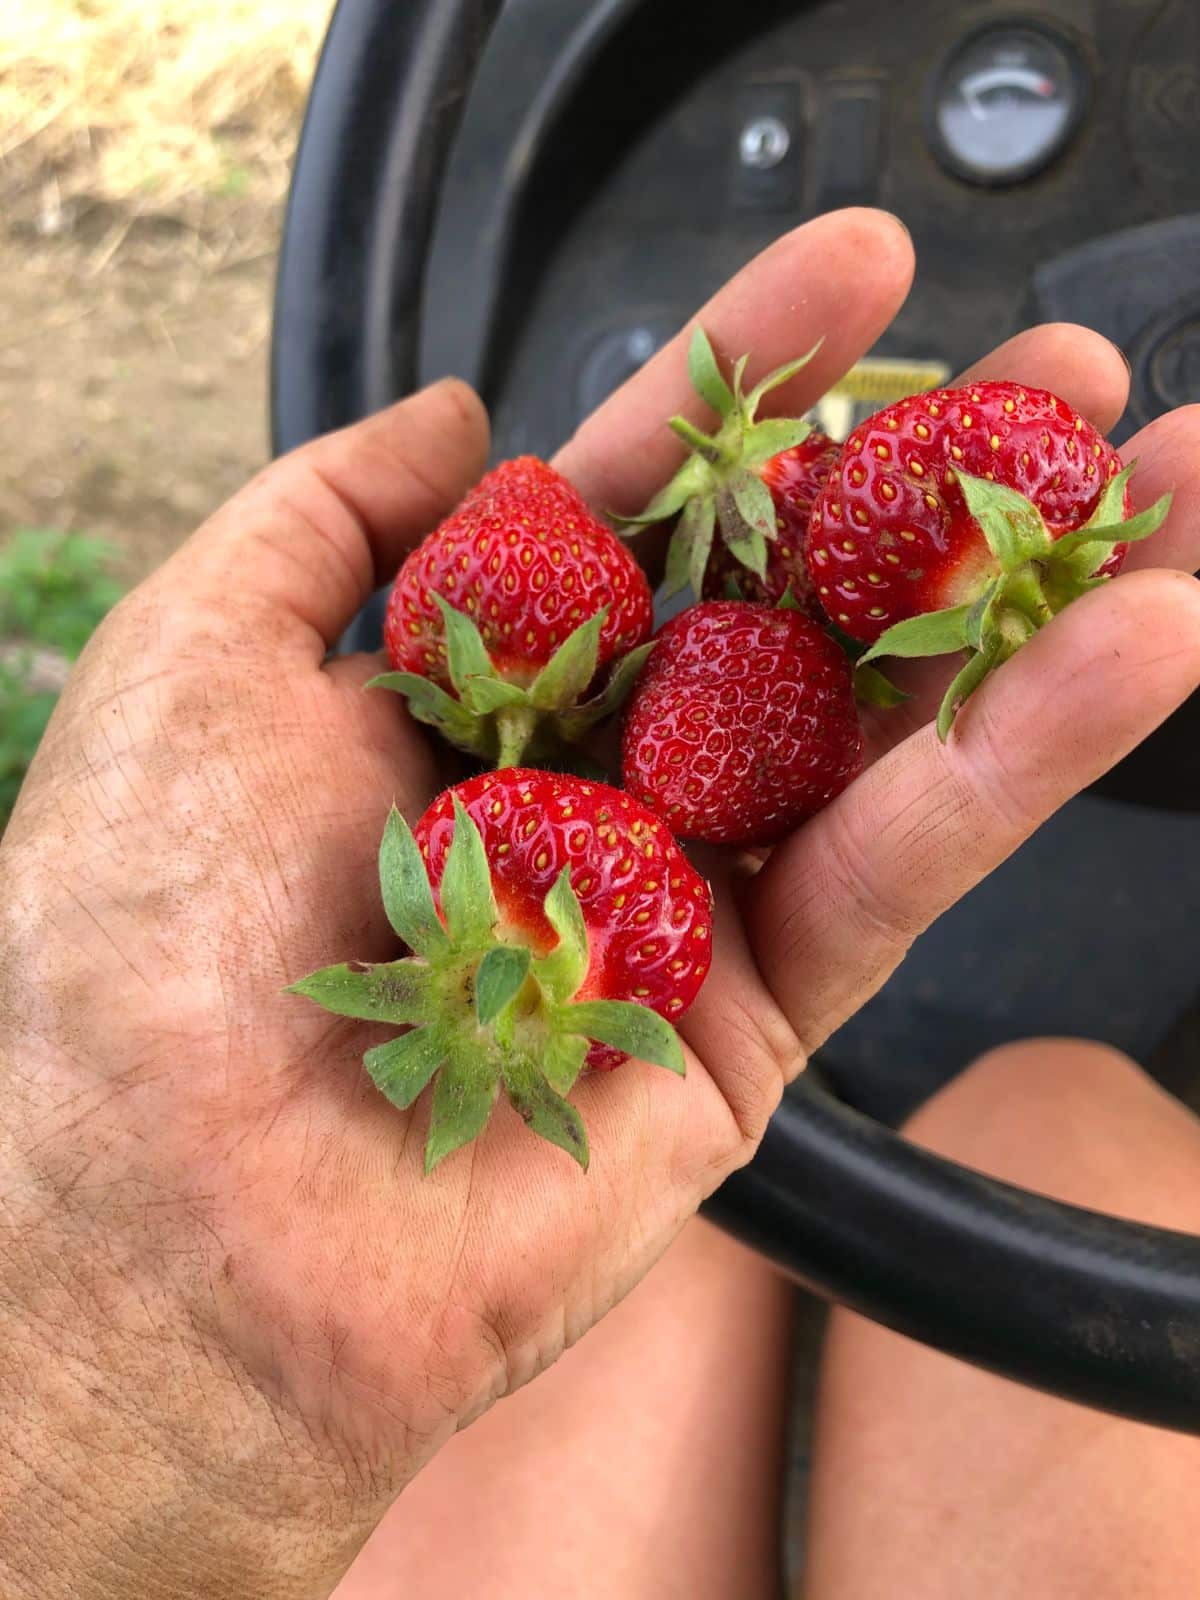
{"points": [[619, 160]]}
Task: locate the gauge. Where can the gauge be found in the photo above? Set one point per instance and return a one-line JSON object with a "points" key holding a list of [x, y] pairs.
{"points": [[1006, 102]]}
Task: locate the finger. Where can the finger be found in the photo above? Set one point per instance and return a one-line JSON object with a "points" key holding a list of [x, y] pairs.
{"points": [[1167, 452], [841, 278], [837, 906], [1083, 367], [294, 556], [735, 1025]]}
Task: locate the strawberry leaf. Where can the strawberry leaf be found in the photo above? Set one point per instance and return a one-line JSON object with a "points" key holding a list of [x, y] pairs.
{"points": [[1103, 536], [1110, 507], [694, 477], [485, 695], [466, 652], [394, 991], [407, 897], [462, 1102], [625, 1025], [562, 970], [1011, 524], [933, 633], [429, 703], [776, 379], [562, 1060], [731, 589], [501, 973], [544, 1110], [754, 503], [705, 373], [622, 678], [690, 544], [573, 723], [746, 544], [739, 372], [963, 686], [872, 688], [467, 898], [787, 602], [571, 668], [697, 529], [978, 617], [765, 440], [401, 1068], [679, 556]]}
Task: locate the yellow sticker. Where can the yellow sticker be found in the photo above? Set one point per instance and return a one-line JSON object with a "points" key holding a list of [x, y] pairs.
{"points": [[871, 385]]}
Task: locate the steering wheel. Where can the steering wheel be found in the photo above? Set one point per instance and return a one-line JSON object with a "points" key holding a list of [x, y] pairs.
{"points": [[1096, 1309]]}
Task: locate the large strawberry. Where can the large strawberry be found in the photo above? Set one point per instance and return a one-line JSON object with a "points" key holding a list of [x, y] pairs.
{"points": [[794, 478], [742, 724], [501, 621], [965, 519], [553, 923], [747, 482]]}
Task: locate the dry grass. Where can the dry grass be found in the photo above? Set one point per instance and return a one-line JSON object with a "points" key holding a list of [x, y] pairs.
{"points": [[150, 106]]}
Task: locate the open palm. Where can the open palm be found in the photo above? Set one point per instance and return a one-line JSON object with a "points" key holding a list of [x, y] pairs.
{"points": [[201, 828]]}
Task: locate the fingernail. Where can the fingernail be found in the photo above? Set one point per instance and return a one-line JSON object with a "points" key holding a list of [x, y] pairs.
{"points": [[899, 221]]}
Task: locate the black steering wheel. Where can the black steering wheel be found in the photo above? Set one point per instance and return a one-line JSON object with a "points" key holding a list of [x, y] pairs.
{"points": [[1089, 1307]]}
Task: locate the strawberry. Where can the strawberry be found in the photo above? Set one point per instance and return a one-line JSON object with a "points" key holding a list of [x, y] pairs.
{"points": [[742, 724], [553, 923], [965, 519], [745, 480], [499, 621], [794, 478]]}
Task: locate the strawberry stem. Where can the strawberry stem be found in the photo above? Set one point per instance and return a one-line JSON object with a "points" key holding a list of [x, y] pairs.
{"points": [[515, 728], [702, 443]]}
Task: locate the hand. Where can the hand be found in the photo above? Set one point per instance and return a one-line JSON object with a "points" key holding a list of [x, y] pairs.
{"points": [[239, 1319]]}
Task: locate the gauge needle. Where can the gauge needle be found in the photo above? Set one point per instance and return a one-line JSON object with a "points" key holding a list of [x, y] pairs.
{"points": [[973, 88]]}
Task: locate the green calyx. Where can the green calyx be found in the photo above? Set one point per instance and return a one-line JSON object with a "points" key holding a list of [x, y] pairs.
{"points": [[508, 724], [717, 488], [483, 1011], [1038, 576]]}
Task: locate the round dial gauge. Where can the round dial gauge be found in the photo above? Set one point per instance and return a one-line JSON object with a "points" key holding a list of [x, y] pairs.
{"points": [[1006, 101]]}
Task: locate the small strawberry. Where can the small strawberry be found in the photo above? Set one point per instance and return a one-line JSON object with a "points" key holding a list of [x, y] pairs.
{"points": [[742, 724], [543, 913], [795, 478], [753, 481], [500, 620], [965, 519]]}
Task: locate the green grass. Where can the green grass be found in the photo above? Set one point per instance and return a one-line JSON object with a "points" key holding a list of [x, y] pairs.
{"points": [[54, 589]]}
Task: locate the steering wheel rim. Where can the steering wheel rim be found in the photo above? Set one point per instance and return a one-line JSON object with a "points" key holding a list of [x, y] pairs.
{"points": [[1093, 1308]]}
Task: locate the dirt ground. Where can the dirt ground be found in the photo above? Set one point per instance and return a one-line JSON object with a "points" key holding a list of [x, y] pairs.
{"points": [[145, 147], [133, 376]]}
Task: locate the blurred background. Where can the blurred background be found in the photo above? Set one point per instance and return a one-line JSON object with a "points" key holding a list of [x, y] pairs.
{"points": [[145, 147]]}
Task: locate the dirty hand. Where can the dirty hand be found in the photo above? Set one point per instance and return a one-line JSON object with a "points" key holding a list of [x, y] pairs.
{"points": [[234, 1317]]}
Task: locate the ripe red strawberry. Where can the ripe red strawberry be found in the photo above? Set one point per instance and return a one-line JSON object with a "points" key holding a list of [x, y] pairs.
{"points": [[500, 620], [742, 724], [990, 506], [794, 478], [751, 481], [554, 923]]}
